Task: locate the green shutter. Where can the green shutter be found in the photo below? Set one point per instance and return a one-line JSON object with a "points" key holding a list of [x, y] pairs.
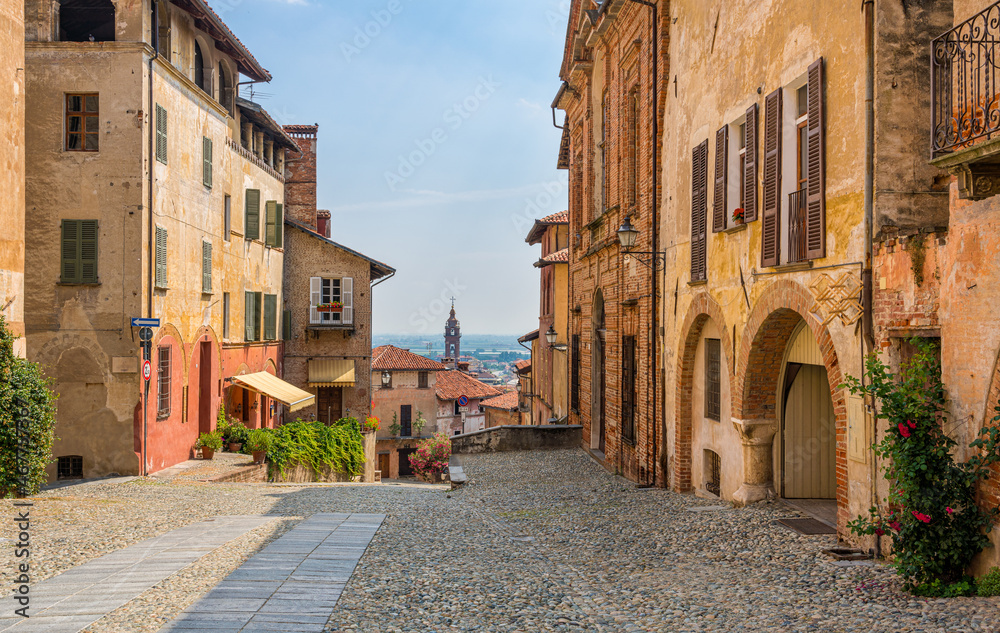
{"points": [[270, 214], [270, 317], [88, 251], [248, 316], [252, 225], [206, 267], [70, 255], [256, 316], [279, 226], [161, 134], [207, 161], [161, 257]]}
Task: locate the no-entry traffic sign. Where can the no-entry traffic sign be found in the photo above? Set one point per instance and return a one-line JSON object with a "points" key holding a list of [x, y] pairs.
{"points": [[463, 401], [147, 370]]}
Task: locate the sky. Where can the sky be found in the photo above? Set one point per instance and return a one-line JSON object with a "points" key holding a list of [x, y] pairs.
{"points": [[436, 145]]}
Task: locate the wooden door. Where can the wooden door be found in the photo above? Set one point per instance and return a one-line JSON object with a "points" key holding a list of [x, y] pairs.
{"points": [[405, 420], [329, 404], [405, 469], [601, 389], [383, 464], [809, 437], [205, 416]]}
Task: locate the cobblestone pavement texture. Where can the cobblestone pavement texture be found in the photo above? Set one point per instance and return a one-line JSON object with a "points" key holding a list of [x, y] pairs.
{"points": [[543, 541]]}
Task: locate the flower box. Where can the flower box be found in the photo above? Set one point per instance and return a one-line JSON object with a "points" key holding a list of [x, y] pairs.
{"points": [[329, 308]]}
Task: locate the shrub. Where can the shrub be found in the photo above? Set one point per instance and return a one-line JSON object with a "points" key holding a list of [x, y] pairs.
{"points": [[989, 585], [431, 456], [339, 446], [419, 424], [938, 589], [211, 441], [395, 427], [935, 524], [27, 421], [258, 440]]}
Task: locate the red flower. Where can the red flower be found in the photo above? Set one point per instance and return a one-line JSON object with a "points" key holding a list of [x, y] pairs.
{"points": [[895, 525], [912, 424], [921, 516], [950, 511], [905, 432], [879, 531]]}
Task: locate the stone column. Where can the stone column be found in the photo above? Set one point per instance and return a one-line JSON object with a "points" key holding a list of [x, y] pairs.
{"points": [[758, 460], [369, 475]]}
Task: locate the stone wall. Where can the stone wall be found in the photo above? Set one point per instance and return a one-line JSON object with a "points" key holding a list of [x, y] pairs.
{"points": [[518, 438], [12, 174]]}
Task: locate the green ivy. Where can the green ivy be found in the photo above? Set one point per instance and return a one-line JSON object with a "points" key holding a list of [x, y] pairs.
{"points": [[933, 519], [339, 446], [25, 394], [989, 584]]}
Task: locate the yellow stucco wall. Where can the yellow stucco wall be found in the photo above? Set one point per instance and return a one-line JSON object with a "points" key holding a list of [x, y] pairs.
{"points": [[12, 169]]}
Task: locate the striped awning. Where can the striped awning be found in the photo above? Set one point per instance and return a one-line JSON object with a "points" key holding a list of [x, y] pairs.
{"points": [[276, 388], [328, 372]]}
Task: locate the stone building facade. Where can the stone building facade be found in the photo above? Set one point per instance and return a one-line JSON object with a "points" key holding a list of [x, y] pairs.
{"points": [[454, 418], [12, 175], [614, 70], [403, 389], [327, 354], [154, 191], [550, 361], [502, 410]]}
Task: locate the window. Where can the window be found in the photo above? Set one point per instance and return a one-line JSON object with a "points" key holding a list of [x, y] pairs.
{"points": [[79, 252], [713, 472], [575, 375], [324, 291], [713, 379], [405, 419], [742, 164], [206, 267], [82, 123], [227, 218], [720, 202], [629, 385], [422, 380], [161, 134], [801, 144], [86, 21], [273, 220], [70, 467], [252, 220], [699, 211], [270, 317], [199, 68], [252, 310], [225, 315], [161, 257], [206, 156], [163, 383], [458, 410]]}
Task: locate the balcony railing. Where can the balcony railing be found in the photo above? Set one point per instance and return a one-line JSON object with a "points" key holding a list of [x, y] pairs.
{"points": [[259, 162], [964, 92], [797, 226]]}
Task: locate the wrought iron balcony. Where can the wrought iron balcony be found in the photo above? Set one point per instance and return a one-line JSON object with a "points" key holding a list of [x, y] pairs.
{"points": [[797, 226], [965, 103]]}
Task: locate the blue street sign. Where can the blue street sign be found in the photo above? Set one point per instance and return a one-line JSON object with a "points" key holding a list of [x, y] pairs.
{"points": [[137, 322], [463, 401]]}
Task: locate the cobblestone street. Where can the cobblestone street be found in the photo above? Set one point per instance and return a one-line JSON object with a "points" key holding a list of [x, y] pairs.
{"points": [[543, 541]]}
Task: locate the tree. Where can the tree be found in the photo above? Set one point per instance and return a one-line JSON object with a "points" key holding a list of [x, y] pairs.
{"points": [[27, 421]]}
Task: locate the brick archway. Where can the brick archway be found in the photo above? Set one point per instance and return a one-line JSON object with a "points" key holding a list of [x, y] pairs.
{"points": [[702, 308], [762, 349]]}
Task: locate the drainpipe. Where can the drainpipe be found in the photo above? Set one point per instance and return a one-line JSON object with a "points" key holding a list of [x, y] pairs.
{"points": [[866, 275], [656, 235], [155, 36]]}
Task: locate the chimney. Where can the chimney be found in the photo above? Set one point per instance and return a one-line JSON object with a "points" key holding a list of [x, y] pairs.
{"points": [[300, 176], [323, 223]]}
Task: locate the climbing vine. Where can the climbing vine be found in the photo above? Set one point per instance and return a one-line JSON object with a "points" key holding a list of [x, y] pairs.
{"points": [[339, 446]]}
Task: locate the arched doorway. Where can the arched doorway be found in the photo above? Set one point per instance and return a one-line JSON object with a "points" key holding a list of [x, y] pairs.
{"points": [[807, 444], [599, 376]]}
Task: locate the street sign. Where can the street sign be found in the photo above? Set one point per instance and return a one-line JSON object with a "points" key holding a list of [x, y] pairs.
{"points": [[139, 322], [147, 370], [145, 334], [462, 401], [463, 409]]}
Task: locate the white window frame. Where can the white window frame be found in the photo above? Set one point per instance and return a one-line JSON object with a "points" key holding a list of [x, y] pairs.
{"points": [[317, 295]]}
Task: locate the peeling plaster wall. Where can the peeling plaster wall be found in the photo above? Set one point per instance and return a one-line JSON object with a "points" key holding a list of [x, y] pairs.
{"points": [[12, 158]]}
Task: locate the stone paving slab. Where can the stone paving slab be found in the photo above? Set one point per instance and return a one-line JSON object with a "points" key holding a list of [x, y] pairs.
{"points": [[77, 598], [293, 584]]}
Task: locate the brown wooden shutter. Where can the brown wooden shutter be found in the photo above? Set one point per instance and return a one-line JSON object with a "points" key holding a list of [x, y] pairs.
{"points": [[749, 174], [770, 247], [816, 185], [699, 210], [721, 179]]}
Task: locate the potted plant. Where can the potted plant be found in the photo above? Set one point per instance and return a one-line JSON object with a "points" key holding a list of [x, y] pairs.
{"points": [[371, 424], [332, 306], [419, 424], [395, 427], [237, 435], [257, 442], [209, 443], [739, 216]]}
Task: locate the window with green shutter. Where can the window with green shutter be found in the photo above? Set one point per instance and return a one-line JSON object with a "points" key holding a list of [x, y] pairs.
{"points": [[206, 151], [161, 134], [252, 220], [279, 224], [270, 317], [79, 252], [161, 257], [270, 220], [249, 328], [253, 309], [206, 267]]}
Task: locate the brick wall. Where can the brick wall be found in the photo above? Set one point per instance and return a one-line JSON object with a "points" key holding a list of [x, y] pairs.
{"points": [[300, 176]]}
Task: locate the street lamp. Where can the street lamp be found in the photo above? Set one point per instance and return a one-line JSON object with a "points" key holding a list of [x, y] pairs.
{"points": [[628, 235], [550, 338]]}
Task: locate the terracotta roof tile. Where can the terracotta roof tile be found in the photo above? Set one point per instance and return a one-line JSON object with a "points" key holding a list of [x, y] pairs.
{"points": [[539, 227], [522, 365], [388, 357], [506, 401], [562, 217], [452, 384], [558, 257]]}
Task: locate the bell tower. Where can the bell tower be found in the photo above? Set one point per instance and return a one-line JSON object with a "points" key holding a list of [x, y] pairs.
{"points": [[453, 336]]}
